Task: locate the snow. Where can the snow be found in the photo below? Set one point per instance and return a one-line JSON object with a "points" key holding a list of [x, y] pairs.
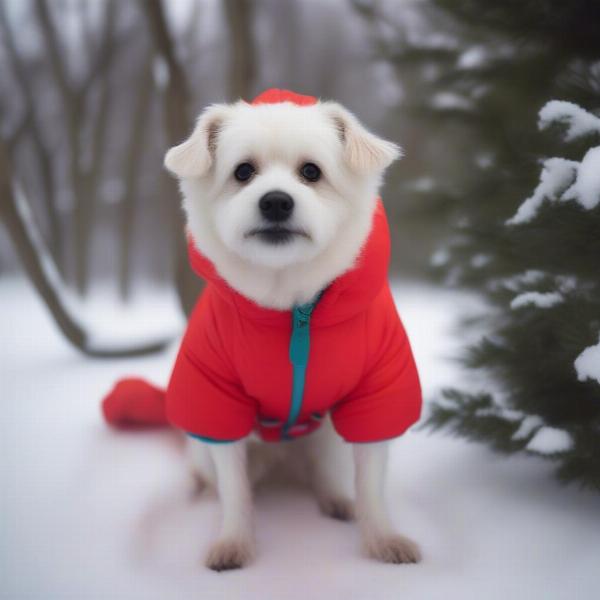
{"points": [[89, 513], [451, 101], [557, 175], [563, 179], [528, 425], [484, 160], [539, 299], [528, 277], [422, 185], [587, 364], [440, 257], [550, 440], [579, 122], [160, 72], [473, 58], [152, 314], [478, 261], [500, 412], [586, 188]]}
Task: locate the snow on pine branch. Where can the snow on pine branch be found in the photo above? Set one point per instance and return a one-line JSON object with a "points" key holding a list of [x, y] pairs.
{"points": [[527, 427], [579, 122], [539, 299], [562, 179], [558, 175], [565, 284], [586, 188], [587, 364], [550, 440]]}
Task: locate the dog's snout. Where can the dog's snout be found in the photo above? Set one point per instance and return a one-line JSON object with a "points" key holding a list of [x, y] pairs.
{"points": [[276, 206]]}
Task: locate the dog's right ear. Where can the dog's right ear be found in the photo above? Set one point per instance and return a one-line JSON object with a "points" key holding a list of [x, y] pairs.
{"points": [[194, 157]]}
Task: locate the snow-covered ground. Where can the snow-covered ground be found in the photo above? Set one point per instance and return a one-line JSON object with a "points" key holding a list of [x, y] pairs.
{"points": [[86, 512]]}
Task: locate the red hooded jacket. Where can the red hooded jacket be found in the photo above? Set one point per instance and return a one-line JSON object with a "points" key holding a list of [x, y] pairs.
{"points": [[242, 367]]}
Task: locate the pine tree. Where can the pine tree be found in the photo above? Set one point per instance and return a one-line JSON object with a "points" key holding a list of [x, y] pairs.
{"points": [[543, 349], [475, 75], [538, 266]]}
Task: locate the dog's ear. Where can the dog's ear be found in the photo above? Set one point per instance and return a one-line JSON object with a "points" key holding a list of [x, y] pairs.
{"points": [[363, 151], [194, 157]]}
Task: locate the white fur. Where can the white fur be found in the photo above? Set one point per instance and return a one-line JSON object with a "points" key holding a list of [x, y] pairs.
{"points": [[335, 214]]}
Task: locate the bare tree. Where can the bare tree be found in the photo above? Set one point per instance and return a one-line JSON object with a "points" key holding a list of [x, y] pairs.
{"points": [[41, 269], [74, 98], [176, 99], [29, 123], [133, 160]]}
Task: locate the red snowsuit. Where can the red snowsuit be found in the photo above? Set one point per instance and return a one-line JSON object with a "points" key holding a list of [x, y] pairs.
{"points": [[242, 367]]}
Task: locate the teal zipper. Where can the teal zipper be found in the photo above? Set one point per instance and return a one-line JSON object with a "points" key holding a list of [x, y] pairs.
{"points": [[299, 352]]}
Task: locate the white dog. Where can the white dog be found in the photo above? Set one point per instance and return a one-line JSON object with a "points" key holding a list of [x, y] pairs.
{"points": [[280, 198]]}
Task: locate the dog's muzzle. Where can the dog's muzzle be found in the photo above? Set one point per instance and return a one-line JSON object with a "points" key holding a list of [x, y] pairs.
{"points": [[276, 208]]}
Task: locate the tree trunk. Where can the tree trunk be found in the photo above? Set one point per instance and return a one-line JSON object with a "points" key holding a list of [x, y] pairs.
{"points": [[242, 63], [134, 158], [177, 127]]}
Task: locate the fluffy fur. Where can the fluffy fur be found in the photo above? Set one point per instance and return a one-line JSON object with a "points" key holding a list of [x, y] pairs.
{"points": [[334, 213], [333, 218]]}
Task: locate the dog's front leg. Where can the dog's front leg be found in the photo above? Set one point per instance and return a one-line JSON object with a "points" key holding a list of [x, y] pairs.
{"points": [[234, 547], [377, 532]]}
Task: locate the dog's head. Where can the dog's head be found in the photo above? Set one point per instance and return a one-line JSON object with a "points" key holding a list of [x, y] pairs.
{"points": [[278, 185]]}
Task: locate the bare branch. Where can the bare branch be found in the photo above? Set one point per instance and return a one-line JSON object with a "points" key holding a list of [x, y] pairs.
{"points": [[134, 154], [31, 125], [53, 45], [74, 100], [17, 215], [100, 63], [90, 177]]}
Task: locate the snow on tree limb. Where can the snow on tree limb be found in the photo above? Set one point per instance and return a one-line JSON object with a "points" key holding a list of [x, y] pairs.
{"points": [[550, 440], [587, 364], [579, 122], [586, 188], [558, 175], [541, 300], [528, 426], [561, 179]]}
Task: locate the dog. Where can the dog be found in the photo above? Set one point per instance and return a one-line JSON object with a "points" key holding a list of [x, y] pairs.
{"points": [[295, 339]]}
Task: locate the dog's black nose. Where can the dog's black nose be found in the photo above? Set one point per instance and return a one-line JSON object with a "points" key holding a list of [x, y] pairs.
{"points": [[276, 206]]}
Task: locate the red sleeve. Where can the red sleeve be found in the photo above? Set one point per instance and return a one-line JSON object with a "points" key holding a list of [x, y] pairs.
{"points": [[387, 401], [204, 396]]}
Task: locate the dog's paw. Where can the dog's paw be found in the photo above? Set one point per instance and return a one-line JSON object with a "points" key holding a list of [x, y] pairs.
{"points": [[339, 508], [395, 549], [227, 554]]}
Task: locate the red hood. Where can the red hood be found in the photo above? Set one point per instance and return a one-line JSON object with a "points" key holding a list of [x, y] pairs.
{"points": [[346, 296], [275, 96]]}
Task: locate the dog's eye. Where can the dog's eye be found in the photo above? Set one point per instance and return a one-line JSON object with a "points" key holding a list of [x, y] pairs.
{"points": [[310, 172], [244, 171]]}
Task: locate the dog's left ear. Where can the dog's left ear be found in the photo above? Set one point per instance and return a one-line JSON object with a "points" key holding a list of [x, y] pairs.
{"points": [[194, 157], [363, 151]]}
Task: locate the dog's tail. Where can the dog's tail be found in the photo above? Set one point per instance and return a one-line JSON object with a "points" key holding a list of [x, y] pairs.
{"points": [[135, 403]]}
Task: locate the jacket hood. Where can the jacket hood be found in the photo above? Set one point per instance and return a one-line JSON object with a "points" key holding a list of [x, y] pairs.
{"points": [[346, 296], [275, 96]]}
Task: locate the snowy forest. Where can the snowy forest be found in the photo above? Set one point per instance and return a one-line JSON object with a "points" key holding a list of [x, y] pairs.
{"points": [[494, 213]]}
